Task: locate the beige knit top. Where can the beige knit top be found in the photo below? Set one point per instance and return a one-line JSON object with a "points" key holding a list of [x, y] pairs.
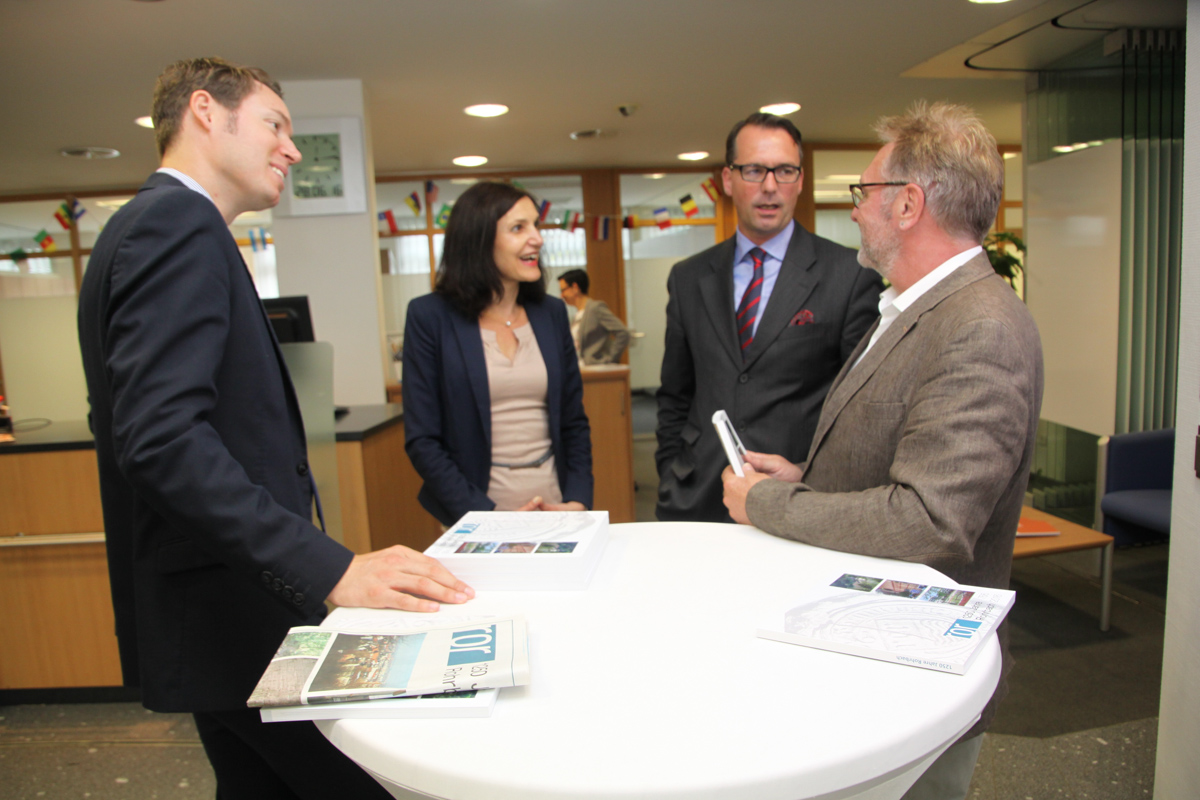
{"points": [[520, 423]]}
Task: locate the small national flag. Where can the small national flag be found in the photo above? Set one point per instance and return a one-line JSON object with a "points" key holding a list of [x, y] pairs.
{"points": [[431, 192], [690, 209], [253, 241], [600, 229], [414, 202], [390, 219], [543, 210], [262, 237], [662, 217], [45, 241], [443, 216], [710, 188], [63, 219], [576, 222], [18, 255], [566, 220], [630, 222]]}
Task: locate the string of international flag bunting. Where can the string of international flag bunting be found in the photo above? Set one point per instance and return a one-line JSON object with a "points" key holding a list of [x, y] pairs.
{"points": [[600, 226], [67, 212]]}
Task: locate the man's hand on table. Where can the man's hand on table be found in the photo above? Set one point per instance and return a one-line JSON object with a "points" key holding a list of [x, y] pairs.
{"points": [[398, 577]]}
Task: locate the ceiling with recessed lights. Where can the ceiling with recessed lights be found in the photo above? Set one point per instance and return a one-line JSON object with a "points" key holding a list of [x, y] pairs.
{"points": [[76, 73]]}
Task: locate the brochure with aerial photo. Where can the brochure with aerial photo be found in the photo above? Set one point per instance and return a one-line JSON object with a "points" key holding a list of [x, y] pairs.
{"points": [[319, 665], [919, 624], [520, 550]]}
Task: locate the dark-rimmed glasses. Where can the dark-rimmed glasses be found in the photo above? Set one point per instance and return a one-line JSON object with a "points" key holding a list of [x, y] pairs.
{"points": [[757, 173], [857, 195]]}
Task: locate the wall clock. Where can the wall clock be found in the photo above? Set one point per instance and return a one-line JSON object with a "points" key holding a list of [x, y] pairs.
{"points": [[331, 176]]}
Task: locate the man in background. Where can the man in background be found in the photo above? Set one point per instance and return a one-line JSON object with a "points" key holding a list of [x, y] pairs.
{"points": [[600, 338], [757, 326], [923, 448], [204, 476]]}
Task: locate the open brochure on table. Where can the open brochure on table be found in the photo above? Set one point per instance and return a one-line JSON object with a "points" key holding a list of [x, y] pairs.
{"points": [[939, 627], [324, 665], [524, 550]]}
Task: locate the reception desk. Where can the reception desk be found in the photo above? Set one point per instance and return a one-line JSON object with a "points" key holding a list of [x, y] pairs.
{"points": [[56, 618]]}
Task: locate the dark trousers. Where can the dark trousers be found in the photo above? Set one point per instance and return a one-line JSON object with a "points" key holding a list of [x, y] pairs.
{"points": [[254, 760]]}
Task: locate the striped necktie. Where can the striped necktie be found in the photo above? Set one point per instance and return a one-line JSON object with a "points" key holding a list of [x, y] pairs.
{"points": [[747, 311]]}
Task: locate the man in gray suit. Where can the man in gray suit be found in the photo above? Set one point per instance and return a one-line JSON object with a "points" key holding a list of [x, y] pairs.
{"points": [[757, 326], [923, 447], [600, 338]]}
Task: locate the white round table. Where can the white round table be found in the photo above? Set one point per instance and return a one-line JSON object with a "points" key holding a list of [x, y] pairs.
{"points": [[652, 684]]}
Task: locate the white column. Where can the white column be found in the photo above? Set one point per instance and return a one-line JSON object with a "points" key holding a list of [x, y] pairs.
{"points": [[334, 259]]}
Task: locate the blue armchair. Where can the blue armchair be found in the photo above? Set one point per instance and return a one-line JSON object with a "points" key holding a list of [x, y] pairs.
{"points": [[1135, 504]]}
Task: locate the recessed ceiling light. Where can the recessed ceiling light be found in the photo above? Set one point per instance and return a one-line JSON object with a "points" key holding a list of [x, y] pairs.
{"points": [[1095, 143], [986, 2], [781, 109], [1064, 148], [145, 122], [591, 133], [486, 110], [654, 176], [1011, 155], [698, 155], [471, 161], [90, 152], [464, 181]]}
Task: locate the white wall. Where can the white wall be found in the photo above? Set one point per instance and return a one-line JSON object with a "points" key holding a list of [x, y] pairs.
{"points": [[646, 308], [43, 370], [1178, 769], [1073, 234], [335, 259]]}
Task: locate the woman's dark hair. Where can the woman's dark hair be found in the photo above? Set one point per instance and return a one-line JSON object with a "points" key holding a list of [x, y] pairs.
{"points": [[467, 275]]}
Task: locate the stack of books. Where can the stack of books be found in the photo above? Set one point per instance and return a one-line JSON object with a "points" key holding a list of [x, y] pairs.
{"points": [[524, 550], [395, 666]]}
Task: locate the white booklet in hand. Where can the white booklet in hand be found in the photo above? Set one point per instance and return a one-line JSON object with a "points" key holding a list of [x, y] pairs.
{"points": [[930, 625]]}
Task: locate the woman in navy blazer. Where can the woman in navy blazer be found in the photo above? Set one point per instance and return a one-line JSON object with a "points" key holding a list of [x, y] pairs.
{"points": [[489, 280]]}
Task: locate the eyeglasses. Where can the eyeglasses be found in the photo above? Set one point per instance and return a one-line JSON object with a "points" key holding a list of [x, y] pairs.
{"points": [[857, 195], [757, 173]]}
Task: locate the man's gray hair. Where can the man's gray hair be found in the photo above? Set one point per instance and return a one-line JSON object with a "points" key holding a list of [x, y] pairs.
{"points": [[944, 149]]}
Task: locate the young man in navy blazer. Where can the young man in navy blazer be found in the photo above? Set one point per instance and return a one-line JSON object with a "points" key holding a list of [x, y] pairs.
{"points": [[204, 476]]}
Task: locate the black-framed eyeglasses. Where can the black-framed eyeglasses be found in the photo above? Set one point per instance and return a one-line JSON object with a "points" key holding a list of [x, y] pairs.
{"points": [[757, 173], [857, 195]]}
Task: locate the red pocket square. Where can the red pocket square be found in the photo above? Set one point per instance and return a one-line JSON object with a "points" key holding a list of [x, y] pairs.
{"points": [[802, 318]]}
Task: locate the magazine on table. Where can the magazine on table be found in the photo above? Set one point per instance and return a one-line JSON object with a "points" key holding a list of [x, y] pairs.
{"points": [[322, 665], [934, 625], [522, 550]]}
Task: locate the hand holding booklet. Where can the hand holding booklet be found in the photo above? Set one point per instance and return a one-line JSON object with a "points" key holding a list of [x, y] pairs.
{"points": [[323, 665], [918, 624]]}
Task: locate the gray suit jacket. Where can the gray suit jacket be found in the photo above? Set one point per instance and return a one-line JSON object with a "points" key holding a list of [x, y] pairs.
{"points": [[602, 336], [922, 451], [822, 304]]}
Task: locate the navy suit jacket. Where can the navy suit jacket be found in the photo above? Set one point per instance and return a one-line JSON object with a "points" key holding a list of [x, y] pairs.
{"points": [[201, 451], [448, 409]]}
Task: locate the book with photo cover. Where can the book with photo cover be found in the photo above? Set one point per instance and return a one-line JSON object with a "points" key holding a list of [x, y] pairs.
{"points": [[938, 627], [476, 703], [524, 550]]}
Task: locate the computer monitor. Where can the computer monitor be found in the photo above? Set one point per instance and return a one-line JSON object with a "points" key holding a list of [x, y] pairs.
{"points": [[291, 318]]}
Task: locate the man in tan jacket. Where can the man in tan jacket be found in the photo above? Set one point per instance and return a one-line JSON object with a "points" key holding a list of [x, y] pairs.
{"points": [[923, 446]]}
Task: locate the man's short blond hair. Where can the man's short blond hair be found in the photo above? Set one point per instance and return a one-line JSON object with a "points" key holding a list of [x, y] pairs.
{"points": [[944, 149], [227, 83]]}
